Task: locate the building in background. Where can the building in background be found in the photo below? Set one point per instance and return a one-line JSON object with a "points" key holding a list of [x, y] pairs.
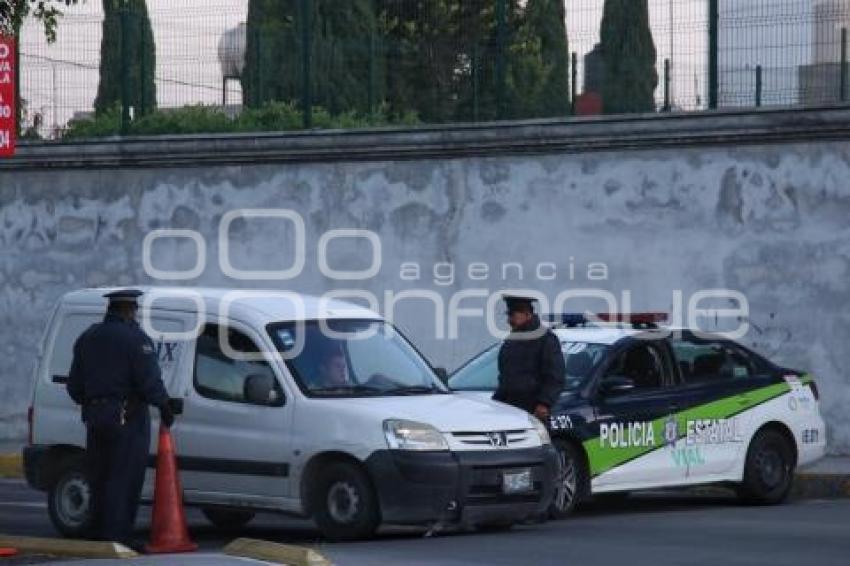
{"points": [[820, 81]]}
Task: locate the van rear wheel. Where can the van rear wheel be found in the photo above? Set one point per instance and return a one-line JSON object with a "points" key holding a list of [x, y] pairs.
{"points": [[69, 500], [227, 519], [344, 504]]}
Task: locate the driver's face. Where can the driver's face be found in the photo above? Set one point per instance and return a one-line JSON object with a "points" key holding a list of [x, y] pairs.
{"points": [[335, 370]]}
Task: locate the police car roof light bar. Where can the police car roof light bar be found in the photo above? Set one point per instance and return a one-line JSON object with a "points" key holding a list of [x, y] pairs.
{"points": [[633, 318], [569, 319]]}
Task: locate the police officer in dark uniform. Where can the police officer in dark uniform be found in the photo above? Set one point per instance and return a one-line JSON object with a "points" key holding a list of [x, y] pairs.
{"points": [[115, 376], [532, 371]]}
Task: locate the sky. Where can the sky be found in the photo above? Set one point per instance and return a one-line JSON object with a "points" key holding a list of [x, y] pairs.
{"points": [[61, 79]]}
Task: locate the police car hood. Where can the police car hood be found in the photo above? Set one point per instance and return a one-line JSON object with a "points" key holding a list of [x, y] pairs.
{"points": [[447, 413]]}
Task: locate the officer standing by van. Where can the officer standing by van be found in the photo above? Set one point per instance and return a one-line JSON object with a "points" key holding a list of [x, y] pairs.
{"points": [[115, 376], [532, 371]]}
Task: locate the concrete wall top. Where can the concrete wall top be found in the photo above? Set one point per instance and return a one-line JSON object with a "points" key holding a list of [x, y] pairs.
{"points": [[604, 133]]}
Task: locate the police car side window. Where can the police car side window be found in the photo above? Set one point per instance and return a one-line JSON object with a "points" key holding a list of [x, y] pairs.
{"points": [[218, 376], [706, 361], [642, 363]]}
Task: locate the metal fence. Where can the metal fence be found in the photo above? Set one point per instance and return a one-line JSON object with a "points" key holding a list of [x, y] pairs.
{"points": [[415, 61]]}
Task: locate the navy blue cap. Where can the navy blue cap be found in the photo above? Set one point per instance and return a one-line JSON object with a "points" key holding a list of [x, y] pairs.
{"points": [[123, 296], [519, 303]]}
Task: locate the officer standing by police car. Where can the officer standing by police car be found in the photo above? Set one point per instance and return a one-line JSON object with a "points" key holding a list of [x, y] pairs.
{"points": [[115, 376], [532, 371]]}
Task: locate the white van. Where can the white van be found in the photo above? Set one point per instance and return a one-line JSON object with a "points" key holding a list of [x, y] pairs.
{"points": [[297, 405]]}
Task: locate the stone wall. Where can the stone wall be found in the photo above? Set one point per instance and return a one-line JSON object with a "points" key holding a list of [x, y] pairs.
{"points": [[755, 202]]}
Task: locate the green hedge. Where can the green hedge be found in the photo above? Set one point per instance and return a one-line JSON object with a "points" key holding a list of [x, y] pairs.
{"points": [[200, 119]]}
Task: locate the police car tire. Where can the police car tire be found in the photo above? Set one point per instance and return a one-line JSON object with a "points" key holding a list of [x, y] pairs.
{"points": [[227, 519], [352, 485], [71, 471], [572, 454], [754, 489]]}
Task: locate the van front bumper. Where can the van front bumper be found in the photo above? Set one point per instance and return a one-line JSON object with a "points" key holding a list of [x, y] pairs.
{"points": [[460, 487]]}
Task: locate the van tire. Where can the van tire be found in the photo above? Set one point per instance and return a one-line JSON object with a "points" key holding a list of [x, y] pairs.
{"points": [[769, 469], [227, 519], [344, 504], [570, 481], [69, 499]]}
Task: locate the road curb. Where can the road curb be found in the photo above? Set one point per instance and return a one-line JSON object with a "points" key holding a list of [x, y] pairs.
{"points": [[11, 466], [67, 547], [275, 552]]}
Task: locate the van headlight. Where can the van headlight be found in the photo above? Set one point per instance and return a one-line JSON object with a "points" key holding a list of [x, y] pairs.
{"points": [[542, 432], [410, 435]]}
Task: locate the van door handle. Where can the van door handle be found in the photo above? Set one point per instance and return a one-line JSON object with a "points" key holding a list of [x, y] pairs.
{"points": [[61, 379], [744, 400]]}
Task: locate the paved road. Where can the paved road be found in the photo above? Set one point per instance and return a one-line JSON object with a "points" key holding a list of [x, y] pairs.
{"points": [[656, 530]]}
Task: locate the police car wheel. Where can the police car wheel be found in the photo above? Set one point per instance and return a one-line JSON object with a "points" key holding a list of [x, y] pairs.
{"points": [[769, 469], [227, 519], [570, 481], [68, 501], [344, 504]]}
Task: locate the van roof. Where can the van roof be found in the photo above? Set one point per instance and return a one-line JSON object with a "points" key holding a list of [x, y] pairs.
{"points": [[256, 305]]}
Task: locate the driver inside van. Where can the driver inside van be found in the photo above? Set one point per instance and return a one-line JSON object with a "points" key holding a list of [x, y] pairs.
{"points": [[333, 369]]}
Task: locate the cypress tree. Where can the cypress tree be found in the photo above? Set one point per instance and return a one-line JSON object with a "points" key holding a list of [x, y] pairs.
{"points": [[629, 54], [547, 21], [141, 57]]}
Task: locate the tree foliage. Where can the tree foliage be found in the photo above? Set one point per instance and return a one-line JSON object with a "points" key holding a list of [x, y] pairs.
{"points": [[441, 59], [344, 62], [126, 20], [48, 12], [629, 54]]}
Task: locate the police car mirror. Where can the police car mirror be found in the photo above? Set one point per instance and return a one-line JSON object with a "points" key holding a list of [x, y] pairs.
{"points": [[442, 375], [616, 385]]}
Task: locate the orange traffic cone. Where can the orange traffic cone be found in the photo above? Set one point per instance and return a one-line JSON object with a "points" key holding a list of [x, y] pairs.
{"points": [[6, 552], [168, 527]]}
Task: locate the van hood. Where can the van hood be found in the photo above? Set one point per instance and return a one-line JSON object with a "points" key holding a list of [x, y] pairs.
{"points": [[446, 413]]}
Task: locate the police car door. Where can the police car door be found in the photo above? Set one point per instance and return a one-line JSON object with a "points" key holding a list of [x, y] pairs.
{"points": [[233, 444], [718, 376], [634, 401]]}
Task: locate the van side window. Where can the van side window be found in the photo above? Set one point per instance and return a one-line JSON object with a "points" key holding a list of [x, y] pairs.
{"points": [[218, 376], [70, 328], [706, 361]]}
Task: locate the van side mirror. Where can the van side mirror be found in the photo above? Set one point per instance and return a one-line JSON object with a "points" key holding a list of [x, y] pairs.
{"points": [[616, 385], [442, 374], [259, 389]]}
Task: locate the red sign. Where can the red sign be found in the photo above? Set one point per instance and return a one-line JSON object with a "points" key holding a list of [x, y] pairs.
{"points": [[7, 96]]}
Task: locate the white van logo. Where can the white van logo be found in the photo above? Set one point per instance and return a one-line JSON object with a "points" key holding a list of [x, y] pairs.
{"points": [[498, 439]]}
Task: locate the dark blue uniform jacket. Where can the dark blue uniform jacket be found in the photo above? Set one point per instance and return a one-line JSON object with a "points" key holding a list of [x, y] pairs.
{"points": [[115, 359]]}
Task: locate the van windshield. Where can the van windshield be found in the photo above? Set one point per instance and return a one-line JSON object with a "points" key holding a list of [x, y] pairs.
{"points": [[353, 358]]}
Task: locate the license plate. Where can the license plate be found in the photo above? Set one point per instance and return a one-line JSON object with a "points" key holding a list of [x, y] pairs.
{"points": [[518, 481]]}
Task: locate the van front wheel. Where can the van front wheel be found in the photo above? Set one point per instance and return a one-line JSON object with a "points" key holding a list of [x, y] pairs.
{"points": [[344, 504], [69, 501]]}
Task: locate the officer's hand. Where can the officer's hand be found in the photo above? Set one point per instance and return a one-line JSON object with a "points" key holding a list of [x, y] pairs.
{"points": [[166, 415], [541, 412]]}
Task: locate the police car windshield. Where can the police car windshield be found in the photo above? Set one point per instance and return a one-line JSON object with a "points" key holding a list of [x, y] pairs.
{"points": [[353, 358], [481, 373]]}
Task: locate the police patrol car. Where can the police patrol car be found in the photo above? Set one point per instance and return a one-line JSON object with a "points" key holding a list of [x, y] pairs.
{"points": [[648, 407], [297, 405]]}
